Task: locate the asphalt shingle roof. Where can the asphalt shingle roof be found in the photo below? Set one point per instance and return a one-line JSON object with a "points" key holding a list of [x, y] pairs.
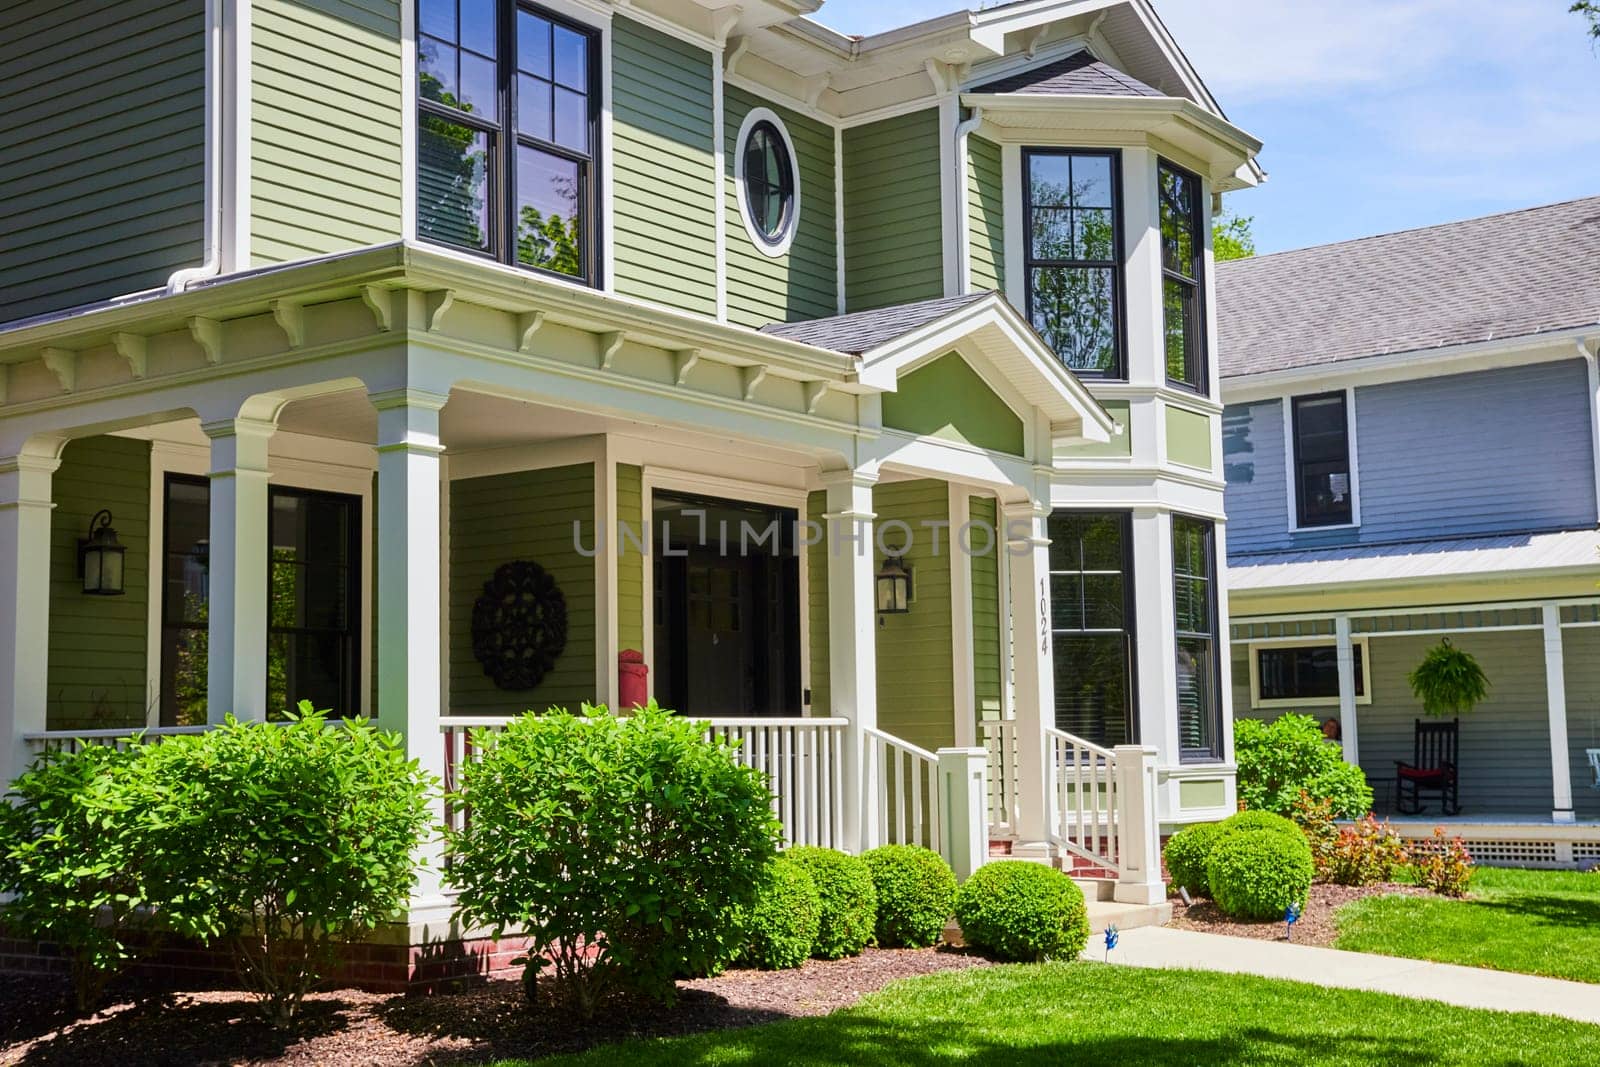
{"points": [[863, 331], [1079, 74], [1511, 275]]}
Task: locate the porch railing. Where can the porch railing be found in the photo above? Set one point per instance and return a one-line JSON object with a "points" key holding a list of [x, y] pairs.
{"points": [[904, 797], [1084, 805], [1000, 742], [802, 759], [122, 738]]}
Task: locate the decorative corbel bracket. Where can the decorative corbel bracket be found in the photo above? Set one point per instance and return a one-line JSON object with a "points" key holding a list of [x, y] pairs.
{"points": [[750, 379], [291, 319], [207, 333], [683, 361], [63, 363], [815, 86], [814, 392], [732, 56], [610, 345], [436, 304], [529, 323], [135, 350], [723, 22], [380, 302]]}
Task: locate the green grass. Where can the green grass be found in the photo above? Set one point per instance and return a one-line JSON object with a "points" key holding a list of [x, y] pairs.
{"points": [[1093, 1014], [1535, 922]]}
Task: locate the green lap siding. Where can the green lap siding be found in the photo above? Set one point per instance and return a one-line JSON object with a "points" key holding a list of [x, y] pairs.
{"points": [[949, 400], [630, 564], [894, 243], [916, 687], [326, 127], [528, 515], [102, 149], [986, 218], [665, 174], [817, 605], [803, 283], [98, 651], [986, 635]]}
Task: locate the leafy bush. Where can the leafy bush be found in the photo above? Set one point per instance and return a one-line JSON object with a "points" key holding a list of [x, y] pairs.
{"points": [[81, 859], [627, 848], [916, 894], [849, 900], [1444, 865], [1365, 854], [1315, 819], [1448, 681], [1249, 822], [1186, 854], [780, 929], [1022, 912], [1258, 875], [1280, 760], [294, 837]]}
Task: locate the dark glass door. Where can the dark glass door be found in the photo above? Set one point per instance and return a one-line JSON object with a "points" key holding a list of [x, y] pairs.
{"points": [[314, 602]]}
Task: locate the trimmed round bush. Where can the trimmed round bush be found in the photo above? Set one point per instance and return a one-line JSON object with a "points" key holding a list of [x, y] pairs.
{"points": [[849, 901], [916, 894], [1186, 854], [1253, 821], [781, 928], [1258, 875], [1020, 912]]}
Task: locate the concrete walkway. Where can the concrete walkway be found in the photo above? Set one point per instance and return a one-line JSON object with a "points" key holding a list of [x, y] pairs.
{"points": [[1467, 987]]}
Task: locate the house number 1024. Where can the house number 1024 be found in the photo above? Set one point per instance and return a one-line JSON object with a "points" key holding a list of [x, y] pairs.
{"points": [[1044, 615]]}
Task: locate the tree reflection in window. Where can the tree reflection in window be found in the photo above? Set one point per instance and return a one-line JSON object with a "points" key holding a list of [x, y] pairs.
{"points": [[1073, 256]]}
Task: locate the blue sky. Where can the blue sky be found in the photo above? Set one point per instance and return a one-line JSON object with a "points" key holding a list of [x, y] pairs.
{"points": [[1379, 115]]}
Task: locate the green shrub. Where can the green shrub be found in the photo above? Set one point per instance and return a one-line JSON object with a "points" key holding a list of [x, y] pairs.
{"points": [[1258, 875], [1279, 760], [289, 839], [849, 901], [1260, 821], [1186, 854], [780, 929], [1364, 854], [1315, 819], [1444, 865], [916, 894], [626, 848], [1020, 912]]}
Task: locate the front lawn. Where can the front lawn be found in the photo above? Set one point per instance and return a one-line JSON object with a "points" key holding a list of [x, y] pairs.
{"points": [[1091, 1013], [1535, 922]]}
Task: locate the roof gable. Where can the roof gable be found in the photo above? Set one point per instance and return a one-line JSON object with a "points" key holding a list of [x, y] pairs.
{"points": [[949, 400]]}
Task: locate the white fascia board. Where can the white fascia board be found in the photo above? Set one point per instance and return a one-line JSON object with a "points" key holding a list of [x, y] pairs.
{"points": [[1409, 365], [1468, 578], [1149, 114]]}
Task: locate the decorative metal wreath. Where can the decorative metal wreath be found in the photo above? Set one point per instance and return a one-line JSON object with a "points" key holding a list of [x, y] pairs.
{"points": [[519, 625]]}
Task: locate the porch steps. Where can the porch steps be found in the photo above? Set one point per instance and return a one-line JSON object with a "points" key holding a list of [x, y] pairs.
{"points": [[1099, 892]]}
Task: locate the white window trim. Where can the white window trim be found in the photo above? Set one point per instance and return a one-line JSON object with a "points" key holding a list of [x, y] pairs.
{"points": [[1359, 644], [780, 248], [1291, 447]]}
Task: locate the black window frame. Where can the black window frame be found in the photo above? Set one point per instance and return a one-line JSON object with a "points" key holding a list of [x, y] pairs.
{"points": [[166, 710], [1130, 627], [504, 139], [1197, 351], [1259, 694], [1212, 716], [788, 183], [1301, 465], [354, 635], [1117, 265]]}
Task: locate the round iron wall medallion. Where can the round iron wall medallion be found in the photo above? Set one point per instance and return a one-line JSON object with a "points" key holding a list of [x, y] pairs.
{"points": [[519, 625]]}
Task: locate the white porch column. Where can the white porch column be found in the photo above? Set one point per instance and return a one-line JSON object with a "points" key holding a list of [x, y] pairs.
{"points": [[25, 506], [409, 627], [853, 643], [1555, 682], [236, 655], [1345, 652], [1138, 827], [1028, 549]]}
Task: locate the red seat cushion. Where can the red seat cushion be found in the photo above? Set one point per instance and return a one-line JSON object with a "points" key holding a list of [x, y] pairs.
{"points": [[1424, 775]]}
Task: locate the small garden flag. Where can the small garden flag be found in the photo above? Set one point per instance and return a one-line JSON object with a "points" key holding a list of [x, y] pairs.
{"points": [[1291, 915], [1111, 940]]}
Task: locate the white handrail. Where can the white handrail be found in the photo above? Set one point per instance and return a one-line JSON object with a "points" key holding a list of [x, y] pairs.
{"points": [[902, 792], [117, 737], [1084, 805]]}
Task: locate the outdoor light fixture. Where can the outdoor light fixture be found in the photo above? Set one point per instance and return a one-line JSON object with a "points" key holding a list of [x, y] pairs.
{"points": [[100, 558], [894, 587]]}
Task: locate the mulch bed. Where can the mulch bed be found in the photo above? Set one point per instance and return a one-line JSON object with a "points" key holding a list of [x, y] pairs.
{"points": [[347, 1027], [1316, 926]]}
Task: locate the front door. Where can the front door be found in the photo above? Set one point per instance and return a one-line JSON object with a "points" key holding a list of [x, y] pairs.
{"points": [[727, 614]]}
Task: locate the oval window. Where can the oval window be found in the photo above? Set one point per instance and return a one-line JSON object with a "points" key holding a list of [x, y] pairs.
{"points": [[767, 175]]}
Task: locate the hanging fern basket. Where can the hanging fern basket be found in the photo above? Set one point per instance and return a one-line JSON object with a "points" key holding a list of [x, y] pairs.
{"points": [[1448, 681]]}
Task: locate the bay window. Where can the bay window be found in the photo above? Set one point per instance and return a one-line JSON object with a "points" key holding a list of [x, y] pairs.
{"points": [[1092, 625], [1182, 260], [1194, 588], [1073, 258]]}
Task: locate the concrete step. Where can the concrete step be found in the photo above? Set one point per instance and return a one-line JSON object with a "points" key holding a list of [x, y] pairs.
{"points": [[1126, 917], [1096, 888]]}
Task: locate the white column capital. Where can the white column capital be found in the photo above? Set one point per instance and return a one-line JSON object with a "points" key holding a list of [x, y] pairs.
{"points": [[239, 445], [391, 399], [408, 421]]}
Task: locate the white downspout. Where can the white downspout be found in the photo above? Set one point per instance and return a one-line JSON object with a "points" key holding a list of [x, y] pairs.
{"points": [[1589, 348], [963, 233], [211, 263]]}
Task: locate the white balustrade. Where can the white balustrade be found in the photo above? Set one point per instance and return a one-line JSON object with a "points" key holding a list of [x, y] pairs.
{"points": [[1084, 801], [1000, 741], [902, 793]]}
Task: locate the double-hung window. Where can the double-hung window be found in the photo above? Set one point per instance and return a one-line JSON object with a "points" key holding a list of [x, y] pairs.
{"points": [[1074, 256], [1323, 486], [1194, 588], [1182, 263], [1091, 622], [508, 106]]}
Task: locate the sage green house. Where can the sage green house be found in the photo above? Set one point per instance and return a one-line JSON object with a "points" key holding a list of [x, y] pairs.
{"points": [[439, 360]]}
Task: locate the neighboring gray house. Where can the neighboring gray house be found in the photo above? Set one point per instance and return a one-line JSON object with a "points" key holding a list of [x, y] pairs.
{"points": [[1410, 442]]}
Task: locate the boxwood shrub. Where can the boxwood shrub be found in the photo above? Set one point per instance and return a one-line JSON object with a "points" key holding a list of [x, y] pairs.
{"points": [[849, 900], [1258, 875], [780, 929], [1253, 821], [1186, 854], [916, 894], [1020, 912]]}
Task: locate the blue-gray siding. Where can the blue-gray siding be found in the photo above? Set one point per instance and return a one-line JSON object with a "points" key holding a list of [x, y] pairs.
{"points": [[1490, 452], [102, 148]]}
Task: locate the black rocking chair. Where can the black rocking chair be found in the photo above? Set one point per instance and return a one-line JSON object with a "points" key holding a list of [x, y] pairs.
{"points": [[1432, 769]]}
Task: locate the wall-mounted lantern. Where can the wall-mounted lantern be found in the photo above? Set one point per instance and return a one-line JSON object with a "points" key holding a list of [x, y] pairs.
{"points": [[894, 587], [100, 558]]}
